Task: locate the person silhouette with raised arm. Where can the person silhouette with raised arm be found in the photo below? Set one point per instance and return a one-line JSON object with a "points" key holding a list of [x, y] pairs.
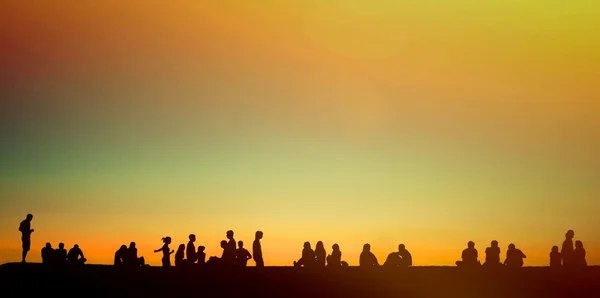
{"points": [[191, 250], [75, 256], [335, 258], [567, 249], [257, 249], [179, 255], [26, 230], [492, 255], [242, 255], [61, 254], [308, 257], [167, 252], [320, 254], [367, 258], [555, 257], [579, 255], [469, 256], [48, 257], [514, 257]]}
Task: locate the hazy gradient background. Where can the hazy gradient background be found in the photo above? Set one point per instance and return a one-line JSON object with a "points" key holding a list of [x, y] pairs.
{"points": [[429, 123]]}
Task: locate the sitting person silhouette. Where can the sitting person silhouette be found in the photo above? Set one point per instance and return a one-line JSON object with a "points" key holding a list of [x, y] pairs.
{"points": [[242, 255], [514, 257], [469, 257], [201, 256], [320, 254], [48, 257], [393, 260], [579, 255], [179, 255], [555, 257], [335, 258], [132, 257], [219, 262], [167, 252], [405, 255], [60, 254], [492, 255], [121, 255], [367, 258], [308, 257], [75, 256]]}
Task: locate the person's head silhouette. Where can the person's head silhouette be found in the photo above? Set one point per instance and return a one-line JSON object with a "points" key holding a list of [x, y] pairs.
{"points": [[123, 247], [570, 234], [367, 247], [241, 244], [48, 245], [192, 237], [201, 248], [61, 245], [320, 245], [555, 249], [259, 235], [230, 234], [167, 240], [76, 246], [471, 244], [511, 246], [132, 245], [578, 244], [401, 247], [223, 244], [494, 243], [307, 245], [335, 247], [29, 217]]}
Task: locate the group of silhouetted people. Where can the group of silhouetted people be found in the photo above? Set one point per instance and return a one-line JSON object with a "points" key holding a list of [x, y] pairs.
{"points": [[470, 258], [59, 256], [317, 257], [569, 256], [128, 256], [234, 254]]}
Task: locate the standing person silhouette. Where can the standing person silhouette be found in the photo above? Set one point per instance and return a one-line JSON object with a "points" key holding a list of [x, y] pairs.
{"points": [[257, 249], [167, 252], [229, 252], [191, 250], [567, 249], [26, 230], [242, 255]]}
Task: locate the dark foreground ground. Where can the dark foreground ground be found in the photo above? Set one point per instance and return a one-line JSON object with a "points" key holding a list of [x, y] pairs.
{"points": [[35, 280]]}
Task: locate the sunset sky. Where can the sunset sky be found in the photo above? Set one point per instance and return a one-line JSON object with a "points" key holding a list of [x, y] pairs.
{"points": [[428, 123]]}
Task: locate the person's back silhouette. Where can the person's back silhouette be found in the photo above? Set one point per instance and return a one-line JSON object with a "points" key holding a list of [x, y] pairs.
{"points": [[514, 257], [469, 256], [179, 255], [308, 257], [48, 256], [26, 230], [492, 255], [555, 257], [242, 255], [201, 256], [191, 250], [60, 254], [166, 259], [320, 254], [567, 249], [335, 258], [132, 256], [257, 249], [367, 258], [579, 255], [75, 256], [121, 255]]}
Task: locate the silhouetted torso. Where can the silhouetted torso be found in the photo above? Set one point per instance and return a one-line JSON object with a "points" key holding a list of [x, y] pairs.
{"points": [[25, 229], [257, 253], [406, 258], [579, 257], [191, 252], [120, 256], [61, 255], [368, 259], [201, 257], [75, 255], [492, 256], [48, 256], [242, 257], [393, 259], [469, 257], [555, 259], [567, 252], [179, 255], [335, 259], [166, 259], [514, 258], [229, 252], [320, 257]]}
